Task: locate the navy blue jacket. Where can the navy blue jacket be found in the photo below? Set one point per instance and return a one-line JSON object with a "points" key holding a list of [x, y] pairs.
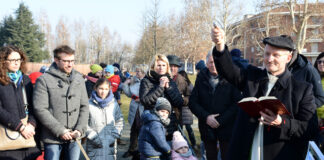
{"points": [[12, 108], [151, 139]]}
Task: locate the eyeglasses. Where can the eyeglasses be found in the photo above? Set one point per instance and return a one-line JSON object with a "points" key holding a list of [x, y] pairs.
{"points": [[320, 62], [67, 61], [15, 60]]}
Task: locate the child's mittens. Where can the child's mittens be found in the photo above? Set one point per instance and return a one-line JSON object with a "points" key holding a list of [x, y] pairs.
{"points": [[115, 133], [96, 142]]}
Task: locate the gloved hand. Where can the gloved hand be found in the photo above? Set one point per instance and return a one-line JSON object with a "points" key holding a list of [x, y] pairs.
{"points": [[96, 142], [166, 156]]}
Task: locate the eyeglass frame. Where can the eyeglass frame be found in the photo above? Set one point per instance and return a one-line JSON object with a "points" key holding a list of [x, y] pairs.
{"points": [[67, 61], [13, 61]]}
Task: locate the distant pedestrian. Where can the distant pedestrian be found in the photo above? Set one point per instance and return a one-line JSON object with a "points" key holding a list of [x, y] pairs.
{"points": [[131, 89], [200, 65], [185, 87], [237, 59], [92, 77]]}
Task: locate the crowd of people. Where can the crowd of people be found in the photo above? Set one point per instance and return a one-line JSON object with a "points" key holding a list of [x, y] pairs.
{"points": [[68, 113]]}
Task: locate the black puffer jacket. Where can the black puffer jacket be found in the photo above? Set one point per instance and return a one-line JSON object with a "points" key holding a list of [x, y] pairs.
{"points": [[150, 91], [187, 117]]}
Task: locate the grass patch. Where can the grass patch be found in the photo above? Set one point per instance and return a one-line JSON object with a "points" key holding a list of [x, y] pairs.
{"points": [[192, 78], [125, 106]]}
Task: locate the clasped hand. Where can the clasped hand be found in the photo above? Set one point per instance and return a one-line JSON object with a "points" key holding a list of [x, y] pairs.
{"points": [[164, 82], [70, 135]]}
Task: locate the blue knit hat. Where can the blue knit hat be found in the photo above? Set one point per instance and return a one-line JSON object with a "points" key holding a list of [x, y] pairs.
{"points": [[200, 65], [109, 69], [236, 53]]}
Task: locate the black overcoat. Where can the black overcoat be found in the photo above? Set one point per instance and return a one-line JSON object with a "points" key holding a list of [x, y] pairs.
{"points": [[284, 142], [205, 101]]}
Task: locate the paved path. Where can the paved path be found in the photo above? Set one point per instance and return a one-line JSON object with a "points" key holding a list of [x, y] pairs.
{"points": [[123, 148]]}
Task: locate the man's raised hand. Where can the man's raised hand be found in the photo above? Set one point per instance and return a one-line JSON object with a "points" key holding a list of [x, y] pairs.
{"points": [[218, 37]]}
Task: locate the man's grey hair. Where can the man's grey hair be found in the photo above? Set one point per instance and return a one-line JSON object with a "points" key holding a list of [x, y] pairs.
{"points": [[210, 53]]}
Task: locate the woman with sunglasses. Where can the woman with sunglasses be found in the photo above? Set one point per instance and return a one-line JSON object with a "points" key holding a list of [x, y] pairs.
{"points": [[319, 65]]}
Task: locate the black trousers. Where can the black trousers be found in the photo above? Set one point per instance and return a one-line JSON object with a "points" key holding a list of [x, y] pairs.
{"points": [[191, 134], [135, 129], [211, 149]]}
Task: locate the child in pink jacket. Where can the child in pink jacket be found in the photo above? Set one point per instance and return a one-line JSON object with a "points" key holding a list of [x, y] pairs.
{"points": [[180, 149]]}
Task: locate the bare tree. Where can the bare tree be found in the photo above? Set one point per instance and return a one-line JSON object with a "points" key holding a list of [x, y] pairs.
{"points": [[80, 44], [226, 14], [62, 32], [46, 28]]}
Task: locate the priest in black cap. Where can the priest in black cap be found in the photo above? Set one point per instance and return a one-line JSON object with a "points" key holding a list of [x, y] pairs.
{"points": [[269, 136]]}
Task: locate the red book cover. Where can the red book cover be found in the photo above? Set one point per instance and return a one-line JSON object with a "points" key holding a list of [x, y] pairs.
{"points": [[252, 105]]}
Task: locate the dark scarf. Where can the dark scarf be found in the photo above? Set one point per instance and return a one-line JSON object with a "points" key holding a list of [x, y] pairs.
{"points": [[102, 102], [156, 77]]}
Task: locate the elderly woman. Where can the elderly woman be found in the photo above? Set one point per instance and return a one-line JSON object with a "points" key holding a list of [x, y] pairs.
{"points": [[158, 83], [13, 107], [131, 88]]}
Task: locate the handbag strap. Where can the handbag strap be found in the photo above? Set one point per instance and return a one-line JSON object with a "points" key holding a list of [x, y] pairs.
{"points": [[25, 99]]}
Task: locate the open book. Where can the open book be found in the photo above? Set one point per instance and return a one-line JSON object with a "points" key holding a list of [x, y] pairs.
{"points": [[252, 106]]}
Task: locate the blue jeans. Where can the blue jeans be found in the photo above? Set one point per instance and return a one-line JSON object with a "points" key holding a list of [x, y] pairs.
{"points": [[53, 151]]}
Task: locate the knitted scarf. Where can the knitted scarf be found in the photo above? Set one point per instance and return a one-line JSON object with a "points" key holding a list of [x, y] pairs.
{"points": [[14, 76], [102, 102]]}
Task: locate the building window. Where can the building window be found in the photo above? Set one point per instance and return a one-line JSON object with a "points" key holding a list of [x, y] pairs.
{"points": [[251, 60], [316, 20], [252, 49], [315, 31], [314, 47]]}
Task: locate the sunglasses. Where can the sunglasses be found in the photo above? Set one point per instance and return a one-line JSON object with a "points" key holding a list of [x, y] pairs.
{"points": [[320, 62]]}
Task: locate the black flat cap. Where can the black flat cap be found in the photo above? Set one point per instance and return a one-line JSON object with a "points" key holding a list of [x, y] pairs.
{"points": [[283, 41], [175, 60]]}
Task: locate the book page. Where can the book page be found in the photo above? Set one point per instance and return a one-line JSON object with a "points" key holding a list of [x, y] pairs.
{"points": [[266, 97], [248, 99]]}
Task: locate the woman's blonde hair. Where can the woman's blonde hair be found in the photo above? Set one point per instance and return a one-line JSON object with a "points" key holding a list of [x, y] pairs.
{"points": [[160, 57]]}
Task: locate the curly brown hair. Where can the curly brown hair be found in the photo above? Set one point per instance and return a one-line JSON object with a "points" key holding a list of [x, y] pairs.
{"points": [[5, 51]]}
